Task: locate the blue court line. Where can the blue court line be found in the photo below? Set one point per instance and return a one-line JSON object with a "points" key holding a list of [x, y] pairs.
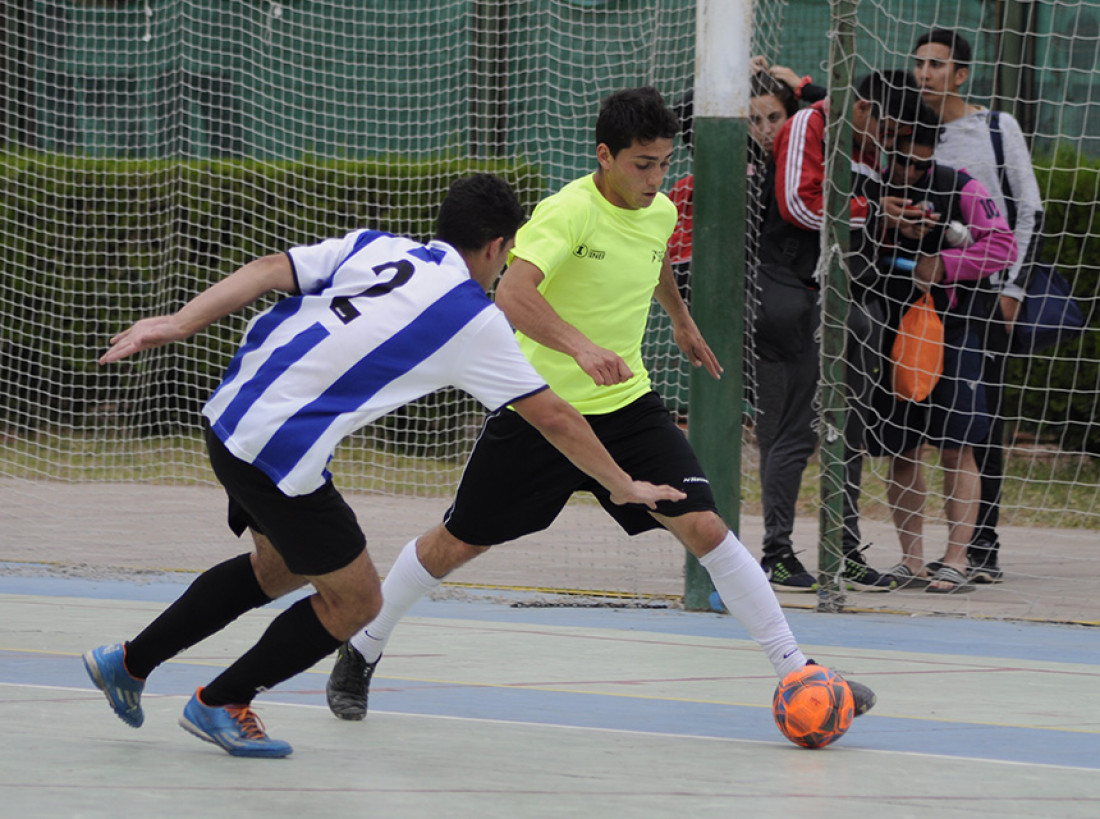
{"points": [[526, 704], [1036, 642], [954, 636]]}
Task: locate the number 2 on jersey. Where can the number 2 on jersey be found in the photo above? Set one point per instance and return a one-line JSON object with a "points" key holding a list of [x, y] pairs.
{"points": [[402, 272]]}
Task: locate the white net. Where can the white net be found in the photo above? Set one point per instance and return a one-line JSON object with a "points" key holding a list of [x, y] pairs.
{"points": [[150, 147], [1035, 62]]}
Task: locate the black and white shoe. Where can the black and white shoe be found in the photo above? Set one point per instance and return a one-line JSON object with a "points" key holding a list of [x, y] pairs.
{"points": [[349, 684]]}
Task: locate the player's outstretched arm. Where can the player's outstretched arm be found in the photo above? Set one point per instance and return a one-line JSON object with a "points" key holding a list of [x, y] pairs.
{"points": [[240, 288], [684, 330], [530, 313], [567, 430]]}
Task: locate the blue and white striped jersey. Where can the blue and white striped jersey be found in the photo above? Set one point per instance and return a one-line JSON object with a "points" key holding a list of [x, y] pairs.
{"points": [[380, 321]]}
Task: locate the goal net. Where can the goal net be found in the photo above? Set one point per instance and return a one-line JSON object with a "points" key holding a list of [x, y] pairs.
{"points": [[149, 147], [1034, 62]]}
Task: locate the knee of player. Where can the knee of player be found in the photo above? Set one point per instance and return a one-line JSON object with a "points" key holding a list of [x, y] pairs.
{"points": [[699, 532], [354, 614]]}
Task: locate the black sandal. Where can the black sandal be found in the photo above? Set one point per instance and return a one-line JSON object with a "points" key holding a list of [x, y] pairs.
{"points": [[949, 574], [906, 577]]}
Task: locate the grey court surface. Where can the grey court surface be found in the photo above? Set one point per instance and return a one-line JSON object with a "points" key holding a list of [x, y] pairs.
{"points": [[487, 705]]}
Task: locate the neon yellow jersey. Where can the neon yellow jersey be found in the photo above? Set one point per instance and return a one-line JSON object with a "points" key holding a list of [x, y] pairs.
{"points": [[601, 265]]}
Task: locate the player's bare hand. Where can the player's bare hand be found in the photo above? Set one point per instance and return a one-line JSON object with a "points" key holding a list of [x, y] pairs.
{"points": [[603, 366], [698, 352], [144, 335], [648, 494], [758, 64]]}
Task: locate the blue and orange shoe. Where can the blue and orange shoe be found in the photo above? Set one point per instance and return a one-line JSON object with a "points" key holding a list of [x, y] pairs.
{"points": [[236, 728], [106, 666]]}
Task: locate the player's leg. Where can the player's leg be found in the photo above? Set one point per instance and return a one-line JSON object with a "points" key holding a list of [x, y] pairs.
{"points": [[741, 583], [418, 570], [514, 483], [744, 588], [309, 538], [216, 598], [296, 640]]}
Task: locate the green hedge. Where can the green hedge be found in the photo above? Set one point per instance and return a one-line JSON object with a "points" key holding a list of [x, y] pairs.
{"points": [[1056, 393], [89, 245]]}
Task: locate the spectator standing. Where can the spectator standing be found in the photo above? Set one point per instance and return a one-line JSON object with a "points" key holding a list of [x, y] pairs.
{"points": [[942, 60], [957, 272]]}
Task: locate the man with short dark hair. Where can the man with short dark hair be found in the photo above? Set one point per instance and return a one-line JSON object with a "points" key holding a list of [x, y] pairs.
{"points": [[373, 322], [942, 59]]}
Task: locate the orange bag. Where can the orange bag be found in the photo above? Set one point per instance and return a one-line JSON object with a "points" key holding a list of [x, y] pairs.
{"points": [[917, 354]]}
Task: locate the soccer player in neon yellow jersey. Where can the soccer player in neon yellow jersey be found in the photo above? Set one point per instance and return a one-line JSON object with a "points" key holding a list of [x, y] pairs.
{"points": [[578, 291]]}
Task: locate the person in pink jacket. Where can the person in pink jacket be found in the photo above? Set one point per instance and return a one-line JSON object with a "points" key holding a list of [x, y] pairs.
{"points": [[943, 234]]}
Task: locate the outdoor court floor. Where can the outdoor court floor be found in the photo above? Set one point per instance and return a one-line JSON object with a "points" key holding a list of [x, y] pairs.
{"points": [[487, 706]]}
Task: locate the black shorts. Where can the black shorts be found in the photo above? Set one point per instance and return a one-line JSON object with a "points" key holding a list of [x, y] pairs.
{"points": [[516, 482], [314, 534]]}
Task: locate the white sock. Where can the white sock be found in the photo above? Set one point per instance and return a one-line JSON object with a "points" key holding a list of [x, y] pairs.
{"points": [[743, 587], [406, 583]]}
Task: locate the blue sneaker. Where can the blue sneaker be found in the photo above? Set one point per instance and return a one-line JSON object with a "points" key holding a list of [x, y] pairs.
{"points": [[106, 666], [236, 728]]}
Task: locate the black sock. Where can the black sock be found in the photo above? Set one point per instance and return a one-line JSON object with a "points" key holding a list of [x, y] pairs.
{"points": [[217, 597], [293, 642]]}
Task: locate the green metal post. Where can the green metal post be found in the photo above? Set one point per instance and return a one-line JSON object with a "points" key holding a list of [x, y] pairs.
{"points": [[723, 30], [718, 304], [838, 141]]}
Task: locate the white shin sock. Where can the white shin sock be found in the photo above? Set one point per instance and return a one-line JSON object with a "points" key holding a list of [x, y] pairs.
{"points": [[744, 589], [406, 582]]}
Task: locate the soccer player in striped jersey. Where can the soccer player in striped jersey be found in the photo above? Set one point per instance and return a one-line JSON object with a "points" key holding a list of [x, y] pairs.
{"points": [[372, 322]]}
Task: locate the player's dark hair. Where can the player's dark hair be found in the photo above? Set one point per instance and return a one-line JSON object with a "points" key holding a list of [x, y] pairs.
{"points": [[961, 53], [636, 114], [894, 94], [478, 209]]}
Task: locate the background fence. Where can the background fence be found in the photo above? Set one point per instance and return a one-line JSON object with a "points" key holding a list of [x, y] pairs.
{"points": [[151, 147]]}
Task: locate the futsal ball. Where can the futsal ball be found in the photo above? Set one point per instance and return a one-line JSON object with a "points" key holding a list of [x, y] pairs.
{"points": [[813, 706]]}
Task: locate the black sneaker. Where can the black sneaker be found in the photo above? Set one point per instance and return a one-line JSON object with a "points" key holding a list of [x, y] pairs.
{"points": [[982, 565], [859, 576], [863, 698], [786, 573], [349, 684]]}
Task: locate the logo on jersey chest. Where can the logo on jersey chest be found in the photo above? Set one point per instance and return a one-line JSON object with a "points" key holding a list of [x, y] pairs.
{"points": [[583, 251]]}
